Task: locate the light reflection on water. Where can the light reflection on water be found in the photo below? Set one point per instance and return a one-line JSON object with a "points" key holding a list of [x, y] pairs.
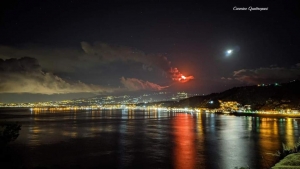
{"points": [[153, 139], [184, 139]]}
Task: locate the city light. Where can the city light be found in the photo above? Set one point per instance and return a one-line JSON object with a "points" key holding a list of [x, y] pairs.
{"points": [[145, 102]]}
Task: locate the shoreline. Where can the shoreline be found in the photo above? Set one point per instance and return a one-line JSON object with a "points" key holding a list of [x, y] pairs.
{"points": [[17, 109], [264, 115]]}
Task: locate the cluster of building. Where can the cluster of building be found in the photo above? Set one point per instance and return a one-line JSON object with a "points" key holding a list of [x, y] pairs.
{"points": [[106, 100], [233, 106], [130, 102]]}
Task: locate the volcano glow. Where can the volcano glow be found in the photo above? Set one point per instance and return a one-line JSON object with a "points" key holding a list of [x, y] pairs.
{"points": [[184, 79], [177, 76]]}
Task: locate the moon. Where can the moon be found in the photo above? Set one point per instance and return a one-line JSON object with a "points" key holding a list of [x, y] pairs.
{"points": [[228, 52]]}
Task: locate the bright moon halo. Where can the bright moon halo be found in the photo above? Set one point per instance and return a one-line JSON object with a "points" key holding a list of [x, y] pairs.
{"points": [[228, 52]]}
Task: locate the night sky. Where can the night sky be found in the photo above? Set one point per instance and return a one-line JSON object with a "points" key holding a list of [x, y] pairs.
{"points": [[51, 50]]}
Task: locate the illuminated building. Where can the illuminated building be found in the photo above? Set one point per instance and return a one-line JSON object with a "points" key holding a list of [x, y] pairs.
{"points": [[229, 105]]}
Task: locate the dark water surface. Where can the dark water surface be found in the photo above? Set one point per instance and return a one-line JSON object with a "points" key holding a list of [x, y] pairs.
{"points": [[143, 139]]}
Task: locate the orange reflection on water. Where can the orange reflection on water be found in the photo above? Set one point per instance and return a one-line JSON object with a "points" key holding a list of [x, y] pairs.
{"points": [[184, 136], [268, 140], [268, 129], [290, 141]]}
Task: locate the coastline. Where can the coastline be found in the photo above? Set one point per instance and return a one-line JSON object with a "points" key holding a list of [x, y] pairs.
{"points": [[265, 115]]}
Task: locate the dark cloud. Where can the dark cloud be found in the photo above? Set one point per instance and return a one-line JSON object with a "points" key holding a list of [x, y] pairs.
{"points": [[110, 53], [51, 59], [72, 60], [134, 84], [24, 64], [267, 74], [25, 75]]}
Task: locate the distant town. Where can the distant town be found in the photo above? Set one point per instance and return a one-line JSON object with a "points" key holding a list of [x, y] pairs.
{"points": [[276, 99], [107, 100]]}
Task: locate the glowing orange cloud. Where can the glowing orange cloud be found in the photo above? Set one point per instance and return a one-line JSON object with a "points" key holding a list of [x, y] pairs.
{"points": [[177, 76]]}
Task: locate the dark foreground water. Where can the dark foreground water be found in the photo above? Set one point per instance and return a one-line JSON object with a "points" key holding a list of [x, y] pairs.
{"points": [[141, 139]]}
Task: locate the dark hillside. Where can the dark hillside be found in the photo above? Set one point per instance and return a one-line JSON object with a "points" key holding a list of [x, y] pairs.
{"points": [[275, 96]]}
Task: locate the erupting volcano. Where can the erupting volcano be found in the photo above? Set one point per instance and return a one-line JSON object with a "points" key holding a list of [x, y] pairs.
{"points": [[177, 76]]}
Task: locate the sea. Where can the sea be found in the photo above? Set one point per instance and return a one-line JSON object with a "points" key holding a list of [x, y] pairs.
{"points": [[145, 139]]}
